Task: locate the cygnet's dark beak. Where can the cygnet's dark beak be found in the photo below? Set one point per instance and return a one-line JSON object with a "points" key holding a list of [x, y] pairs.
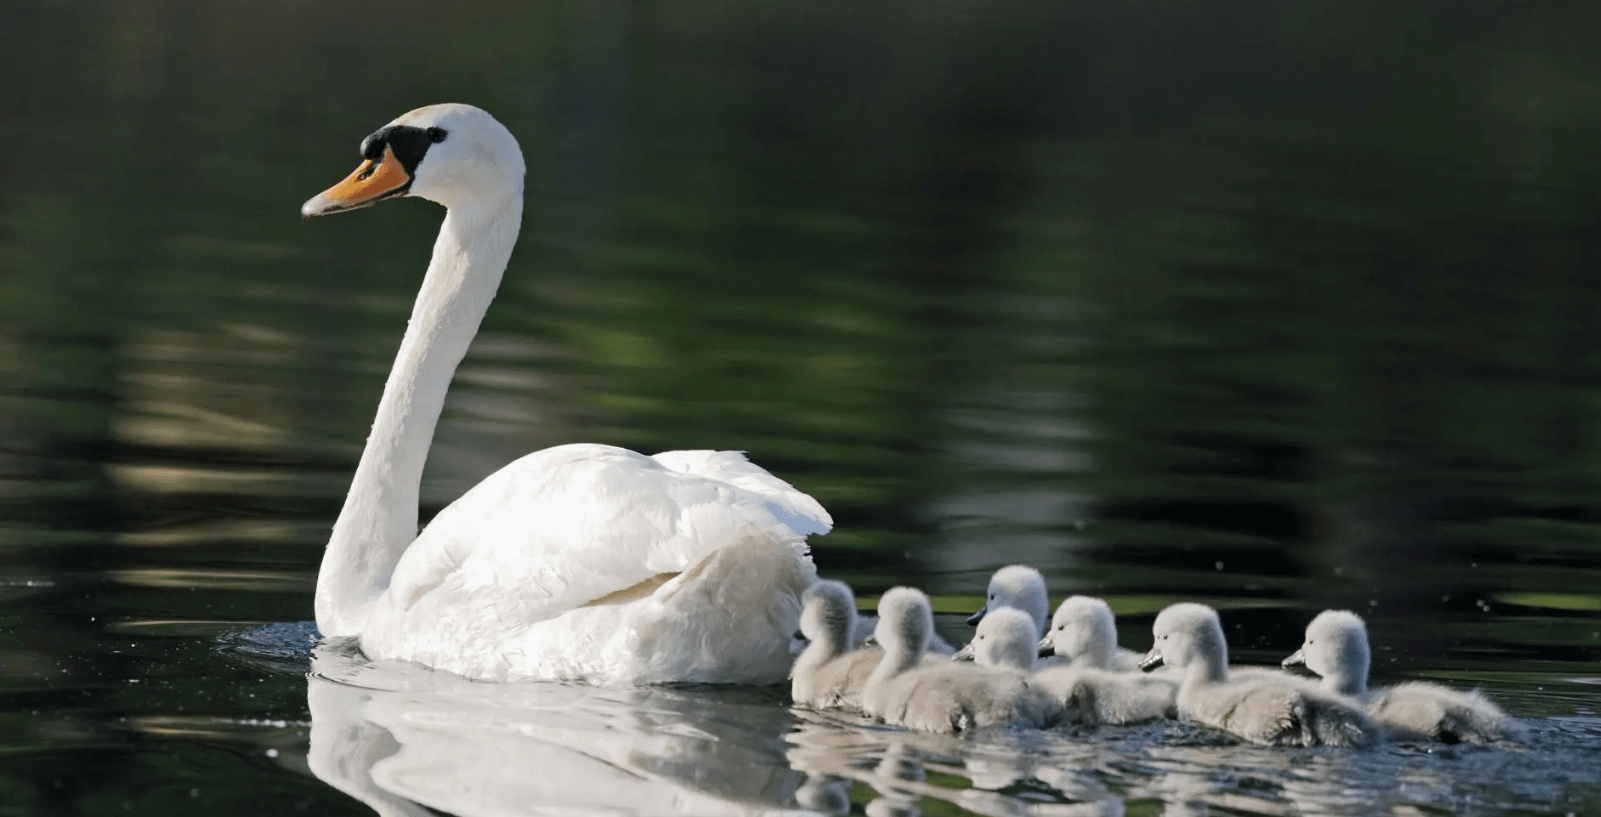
{"points": [[1152, 660], [799, 636], [964, 654], [871, 641], [974, 619], [1297, 657], [1047, 649]]}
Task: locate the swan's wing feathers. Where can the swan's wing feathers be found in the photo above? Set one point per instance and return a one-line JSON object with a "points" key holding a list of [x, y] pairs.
{"points": [[795, 509], [570, 526]]}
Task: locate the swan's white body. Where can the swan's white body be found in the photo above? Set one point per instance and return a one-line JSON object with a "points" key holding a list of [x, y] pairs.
{"points": [[1336, 648], [579, 562]]}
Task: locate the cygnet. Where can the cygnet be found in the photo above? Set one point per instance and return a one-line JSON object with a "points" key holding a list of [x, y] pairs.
{"points": [[1005, 640], [828, 673], [1083, 634], [1017, 587], [1336, 648], [942, 697], [1020, 587], [1266, 709]]}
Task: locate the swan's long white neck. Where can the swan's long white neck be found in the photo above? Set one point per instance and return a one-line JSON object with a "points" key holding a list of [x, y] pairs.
{"points": [[379, 519]]}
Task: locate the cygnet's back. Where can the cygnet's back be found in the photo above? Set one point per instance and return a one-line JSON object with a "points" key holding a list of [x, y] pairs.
{"points": [[946, 696], [1337, 649], [1085, 695], [828, 673], [1261, 708]]}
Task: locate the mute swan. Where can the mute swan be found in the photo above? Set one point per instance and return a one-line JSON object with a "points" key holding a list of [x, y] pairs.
{"points": [[946, 696], [1277, 711], [1336, 648], [1005, 640], [828, 673], [581, 562], [1083, 633]]}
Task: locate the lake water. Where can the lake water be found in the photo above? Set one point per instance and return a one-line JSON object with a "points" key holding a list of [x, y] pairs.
{"points": [[1276, 307]]}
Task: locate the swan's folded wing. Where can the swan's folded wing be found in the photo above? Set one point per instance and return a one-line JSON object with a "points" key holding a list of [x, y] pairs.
{"points": [[572, 526], [795, 509]]}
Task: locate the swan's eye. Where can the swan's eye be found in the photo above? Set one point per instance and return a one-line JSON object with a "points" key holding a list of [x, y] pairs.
{"points": [[437, 135]]}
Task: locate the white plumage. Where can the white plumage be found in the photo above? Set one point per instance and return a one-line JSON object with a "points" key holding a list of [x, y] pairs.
{"points": [[1336, 648], [580, 562]]}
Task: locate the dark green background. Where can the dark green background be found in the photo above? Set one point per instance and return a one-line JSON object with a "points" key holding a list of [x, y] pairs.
{"points": [[1283, 306]]}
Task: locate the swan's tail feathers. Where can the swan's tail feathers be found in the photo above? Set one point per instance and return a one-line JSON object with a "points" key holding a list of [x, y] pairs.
{"points": [[792, 508], [728, 618]]}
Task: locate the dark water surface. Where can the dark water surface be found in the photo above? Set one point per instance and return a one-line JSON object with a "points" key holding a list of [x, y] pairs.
{"points": [[1280, 307]]}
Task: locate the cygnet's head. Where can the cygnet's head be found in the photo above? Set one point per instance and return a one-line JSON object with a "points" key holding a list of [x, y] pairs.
{"points": [[828, 615], [453, 154], [1186, 634], [1083, 627], [1005, 640], [1020, 587], [905, 620], [1336, 645]]}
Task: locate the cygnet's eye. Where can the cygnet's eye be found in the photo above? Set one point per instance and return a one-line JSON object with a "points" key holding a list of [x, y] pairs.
{"points": [[436, 135], [1061, 626]]}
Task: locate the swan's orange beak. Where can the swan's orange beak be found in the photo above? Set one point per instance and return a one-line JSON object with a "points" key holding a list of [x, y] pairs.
{"points": [[373, 181]]}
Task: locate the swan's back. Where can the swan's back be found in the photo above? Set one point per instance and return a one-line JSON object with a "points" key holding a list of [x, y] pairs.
{"points": [[588, 562]]}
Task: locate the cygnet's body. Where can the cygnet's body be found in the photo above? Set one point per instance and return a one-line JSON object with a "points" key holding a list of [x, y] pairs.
{"points": [[1083, 634], [942, 697], [1261, 708], [1336, 648], [829, 673], [1005, 640]]}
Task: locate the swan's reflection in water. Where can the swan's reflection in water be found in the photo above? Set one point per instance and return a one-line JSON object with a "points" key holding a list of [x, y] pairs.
{"points": [[404, 740], [394, 736]]}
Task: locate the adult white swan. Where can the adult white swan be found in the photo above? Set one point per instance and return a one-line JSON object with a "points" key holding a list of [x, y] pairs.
{"points": [[580, 562]]}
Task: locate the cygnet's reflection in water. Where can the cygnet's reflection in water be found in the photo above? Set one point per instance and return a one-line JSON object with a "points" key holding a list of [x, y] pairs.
{"points": [[395, 736], [903, 770], [404, 739]]}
